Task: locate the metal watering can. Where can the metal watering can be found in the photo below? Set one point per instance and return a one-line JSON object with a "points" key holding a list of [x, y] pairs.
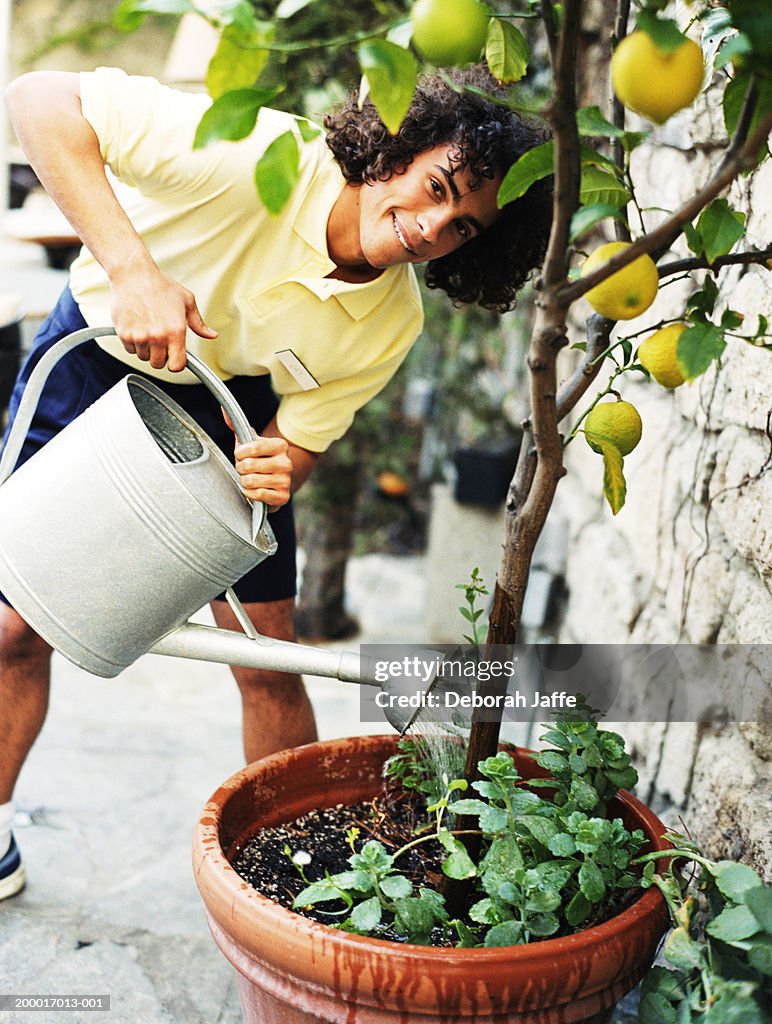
{"points": [[148, 525]]}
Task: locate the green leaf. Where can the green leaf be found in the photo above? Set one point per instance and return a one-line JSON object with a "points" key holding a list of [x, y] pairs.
{"points": [[591, 881], [591, 157], [317, 892], [759, 902], [542, 829], [719, 227], [532, 166], [129, 14], [755, 20], [508, 933], [578, 910], [602, 186], [396, 886], [665, 33], [366, 916], [543, 925], [682, 951], [459, 864], [693, 238], [698, 347], [506, 51], [704, 300], [502, 861], [733, 924], [655, 1009], [614, 485], [238, 61], [738, 45], [585, 795], [552, 762], [484, 912], [733, 100], [562, 845], [590, 122], [415, 917], [733, 879], [358, 880], [238, 13], [308, 130], [588, 216], [232, 116], [277, 171], [391, 73]]}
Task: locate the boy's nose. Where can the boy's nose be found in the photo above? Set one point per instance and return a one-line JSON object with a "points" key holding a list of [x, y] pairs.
{"points": [[431, 224]]}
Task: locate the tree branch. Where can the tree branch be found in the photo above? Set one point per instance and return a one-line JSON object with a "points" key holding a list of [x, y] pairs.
{"points": [[701, 262], [562, 115], [661, 238]]}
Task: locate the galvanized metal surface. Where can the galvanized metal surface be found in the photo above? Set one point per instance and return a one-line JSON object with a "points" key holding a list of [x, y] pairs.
{"points": [[127, 523]]}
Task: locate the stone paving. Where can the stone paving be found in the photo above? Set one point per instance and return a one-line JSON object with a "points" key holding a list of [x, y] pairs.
{"points": [[107, 802]]}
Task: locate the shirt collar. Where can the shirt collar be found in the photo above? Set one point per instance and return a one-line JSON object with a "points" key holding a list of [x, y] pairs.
{"points": [[310, 222]]}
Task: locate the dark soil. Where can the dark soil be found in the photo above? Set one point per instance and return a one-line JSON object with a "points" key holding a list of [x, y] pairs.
{"points": [[391, 818]]}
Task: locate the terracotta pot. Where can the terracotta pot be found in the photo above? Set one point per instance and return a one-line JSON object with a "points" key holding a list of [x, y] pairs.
{"points": [[295, 971]]}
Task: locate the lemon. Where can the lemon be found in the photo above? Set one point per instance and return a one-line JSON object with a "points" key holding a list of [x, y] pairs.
{"points": [[657, 354], [618, 422], [627, 293], [656, 83], [449, 31]]}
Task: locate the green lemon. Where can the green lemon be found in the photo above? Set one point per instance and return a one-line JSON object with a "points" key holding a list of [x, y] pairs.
{"points": [[449, 32]]}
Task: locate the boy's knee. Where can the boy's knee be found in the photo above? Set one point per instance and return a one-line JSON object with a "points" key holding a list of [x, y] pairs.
{"points": [[18, 640]]}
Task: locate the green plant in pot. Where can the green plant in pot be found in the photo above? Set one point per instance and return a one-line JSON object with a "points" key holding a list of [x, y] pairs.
{"points": [[292, 968]]}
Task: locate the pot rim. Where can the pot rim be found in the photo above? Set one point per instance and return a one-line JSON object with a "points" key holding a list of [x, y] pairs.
{"points": [[214, 871]]}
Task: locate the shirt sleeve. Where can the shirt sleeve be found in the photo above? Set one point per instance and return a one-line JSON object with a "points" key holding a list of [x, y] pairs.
{"points": [[146, 131], [314, 419]]}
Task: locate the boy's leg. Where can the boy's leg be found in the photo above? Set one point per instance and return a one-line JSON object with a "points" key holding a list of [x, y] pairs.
{"points": [[276, 710], [24, 684]]}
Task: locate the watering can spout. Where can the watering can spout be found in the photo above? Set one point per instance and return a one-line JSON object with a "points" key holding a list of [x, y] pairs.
{"points": [[223, 646]]}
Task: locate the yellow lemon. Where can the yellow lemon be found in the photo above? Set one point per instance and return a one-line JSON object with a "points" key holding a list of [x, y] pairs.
{"points": [[449, 31], [657, 354], [618, 422], [627, 293], [656, 83]]}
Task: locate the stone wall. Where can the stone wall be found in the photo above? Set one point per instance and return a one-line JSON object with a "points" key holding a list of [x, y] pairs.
{"points": [[689, 557]]}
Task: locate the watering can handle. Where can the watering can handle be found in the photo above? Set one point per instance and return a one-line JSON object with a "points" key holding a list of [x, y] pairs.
{"points": [[39, 375]]}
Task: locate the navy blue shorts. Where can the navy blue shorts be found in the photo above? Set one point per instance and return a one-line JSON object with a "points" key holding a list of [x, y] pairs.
{"points": [[87, 372]]}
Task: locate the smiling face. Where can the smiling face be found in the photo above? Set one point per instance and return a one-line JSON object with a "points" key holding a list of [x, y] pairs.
{"points": [[419, 215]]}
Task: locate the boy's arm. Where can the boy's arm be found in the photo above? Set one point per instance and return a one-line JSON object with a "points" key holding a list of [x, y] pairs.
{"points": [[150, 310]]}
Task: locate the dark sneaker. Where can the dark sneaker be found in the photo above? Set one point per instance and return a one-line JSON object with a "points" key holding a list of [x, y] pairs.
{"points": [[11, 872]]}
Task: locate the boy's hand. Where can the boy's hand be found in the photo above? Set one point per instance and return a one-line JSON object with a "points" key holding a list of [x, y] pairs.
{"points": [[151, 313], [265, 469]]}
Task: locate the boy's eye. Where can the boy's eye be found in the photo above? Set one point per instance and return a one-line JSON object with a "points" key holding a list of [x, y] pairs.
{"points": [[462, 228], [436, 186]]}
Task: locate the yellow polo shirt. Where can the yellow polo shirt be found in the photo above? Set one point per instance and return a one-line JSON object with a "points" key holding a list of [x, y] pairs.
{"points": [[260, 281]]}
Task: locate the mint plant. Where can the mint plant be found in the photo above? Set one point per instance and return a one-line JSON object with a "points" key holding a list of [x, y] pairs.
{"points": [[548, 864], [720, 948]]}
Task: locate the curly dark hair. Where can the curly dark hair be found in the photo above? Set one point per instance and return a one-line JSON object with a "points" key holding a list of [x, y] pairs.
{"points": [[487, 138]]}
